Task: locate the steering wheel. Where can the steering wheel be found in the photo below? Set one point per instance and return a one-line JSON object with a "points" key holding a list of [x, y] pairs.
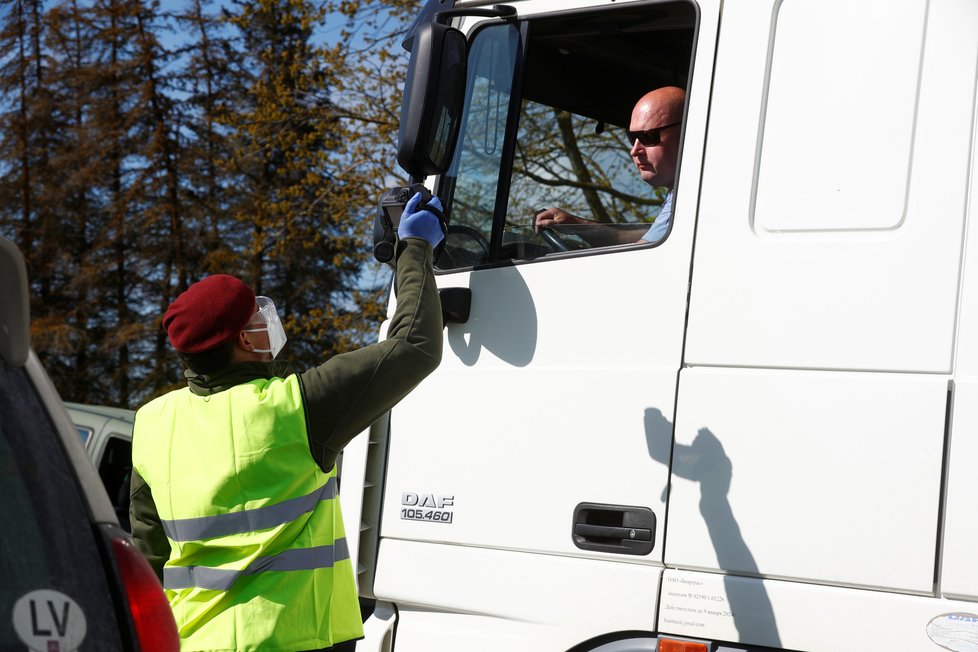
{"points": [[552, 238], [471, 233], [457, 254]]}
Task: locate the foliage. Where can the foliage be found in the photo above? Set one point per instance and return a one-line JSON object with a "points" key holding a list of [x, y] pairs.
{"points": [[143, 149]]}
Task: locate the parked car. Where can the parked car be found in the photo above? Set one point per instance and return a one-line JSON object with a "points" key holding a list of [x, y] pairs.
{"points": [[107, 435], [70, 577]]}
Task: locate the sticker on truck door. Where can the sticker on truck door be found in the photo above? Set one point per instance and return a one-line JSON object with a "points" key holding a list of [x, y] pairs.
{"points": [[955, 631], [434, 508]]}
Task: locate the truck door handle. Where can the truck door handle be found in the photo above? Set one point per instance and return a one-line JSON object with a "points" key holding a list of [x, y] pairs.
{"points": [[614, 528], [610, 532]]}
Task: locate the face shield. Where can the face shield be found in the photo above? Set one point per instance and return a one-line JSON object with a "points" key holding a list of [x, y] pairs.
{"points": [[273, 326]]}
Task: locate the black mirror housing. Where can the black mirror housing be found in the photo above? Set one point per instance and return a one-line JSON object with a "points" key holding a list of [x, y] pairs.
{"points": [[434, 90]]}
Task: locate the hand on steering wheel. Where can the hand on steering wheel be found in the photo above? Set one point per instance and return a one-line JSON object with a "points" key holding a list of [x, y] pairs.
{"points": [[545, 219], [552, 238]]}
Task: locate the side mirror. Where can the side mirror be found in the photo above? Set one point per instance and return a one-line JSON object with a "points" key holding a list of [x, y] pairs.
{"points": [[434, 90], [15, 322]]}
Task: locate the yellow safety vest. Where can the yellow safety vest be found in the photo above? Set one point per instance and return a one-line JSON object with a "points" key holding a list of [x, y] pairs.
{"points": [[258, 555]]}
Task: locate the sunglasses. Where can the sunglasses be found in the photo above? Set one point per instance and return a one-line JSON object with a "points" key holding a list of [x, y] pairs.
{"points": [[649, 137]]}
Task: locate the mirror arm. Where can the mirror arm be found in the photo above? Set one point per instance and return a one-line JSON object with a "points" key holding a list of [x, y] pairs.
{"points": [[496, 11]]}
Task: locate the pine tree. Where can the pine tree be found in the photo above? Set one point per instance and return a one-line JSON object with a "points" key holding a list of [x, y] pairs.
{"points": [[258, 147], [169, 246], [205, 79], [305, 249]]}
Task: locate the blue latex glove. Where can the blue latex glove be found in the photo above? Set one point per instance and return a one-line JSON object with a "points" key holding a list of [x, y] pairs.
{"points": [[421, 224]]}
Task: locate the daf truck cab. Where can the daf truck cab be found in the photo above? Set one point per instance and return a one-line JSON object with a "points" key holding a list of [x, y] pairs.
{"points": [[758, 433]]}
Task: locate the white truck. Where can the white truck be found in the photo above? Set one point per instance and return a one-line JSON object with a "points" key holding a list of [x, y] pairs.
{"points": [[760, 433]]}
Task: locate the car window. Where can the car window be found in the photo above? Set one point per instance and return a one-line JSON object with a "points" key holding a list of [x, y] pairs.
{"points": [[84, 433], [52, 583], [114, 468]]}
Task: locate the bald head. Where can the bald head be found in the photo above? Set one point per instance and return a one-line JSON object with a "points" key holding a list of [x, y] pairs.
{"points": [[664, 103], [655, 111]]}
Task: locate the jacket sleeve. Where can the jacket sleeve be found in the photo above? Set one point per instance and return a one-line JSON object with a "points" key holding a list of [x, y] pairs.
{"points": [[147, 531], [350, 391]]}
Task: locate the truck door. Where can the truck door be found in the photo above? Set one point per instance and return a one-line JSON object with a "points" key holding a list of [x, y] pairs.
{"points": [[553, 406], [812, 410]]}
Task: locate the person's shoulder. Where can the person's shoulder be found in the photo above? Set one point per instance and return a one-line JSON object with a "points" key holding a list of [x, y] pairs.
{"points": [[283, 386], [154, 405]]}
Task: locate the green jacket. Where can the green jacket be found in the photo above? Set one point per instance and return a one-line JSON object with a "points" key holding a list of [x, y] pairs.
{"points": [[342, 396]]}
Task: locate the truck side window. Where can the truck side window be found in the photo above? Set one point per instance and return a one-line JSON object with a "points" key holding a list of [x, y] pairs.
{"points": [[478, 159], [582, 166], [547, 107]]}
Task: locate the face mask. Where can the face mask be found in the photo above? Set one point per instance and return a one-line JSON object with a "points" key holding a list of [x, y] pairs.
{"points": [[273, 326]]}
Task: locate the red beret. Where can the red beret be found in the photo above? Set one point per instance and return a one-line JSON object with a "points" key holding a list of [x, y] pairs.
{"points": [[211, 312]]}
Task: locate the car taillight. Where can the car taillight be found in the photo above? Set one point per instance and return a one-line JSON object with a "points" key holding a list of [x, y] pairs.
{"points": [[151, 614]]}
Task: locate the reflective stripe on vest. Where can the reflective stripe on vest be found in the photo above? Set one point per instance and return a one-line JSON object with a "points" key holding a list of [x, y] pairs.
{"points": [[249, 520], [217, 579]]}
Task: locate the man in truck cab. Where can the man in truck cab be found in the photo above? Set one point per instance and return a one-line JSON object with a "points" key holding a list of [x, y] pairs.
{"points": [[653, 133], [234, 490]]}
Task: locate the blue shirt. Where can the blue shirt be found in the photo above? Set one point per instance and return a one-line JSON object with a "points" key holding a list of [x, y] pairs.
{"points": [[658, 230]]}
